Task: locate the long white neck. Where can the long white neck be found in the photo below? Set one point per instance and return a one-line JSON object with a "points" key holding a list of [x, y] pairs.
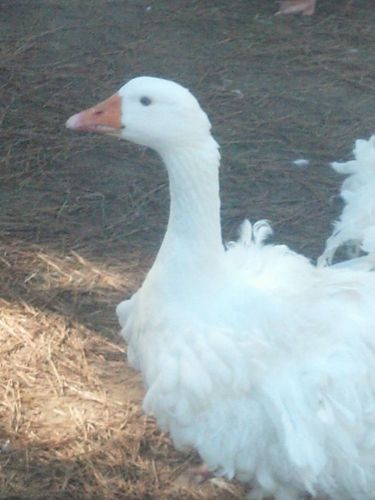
{"points": [[194, 220]]}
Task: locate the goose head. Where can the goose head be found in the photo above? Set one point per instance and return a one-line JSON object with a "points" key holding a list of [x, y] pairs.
{"points": [[149, 111]]}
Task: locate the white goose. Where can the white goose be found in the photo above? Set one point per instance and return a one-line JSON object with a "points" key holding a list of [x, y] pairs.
{"points": [[356, 225], [260, 361]]}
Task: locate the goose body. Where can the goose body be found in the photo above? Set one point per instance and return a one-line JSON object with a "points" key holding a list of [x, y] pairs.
{"points": [[356, 225], [260, 361]]}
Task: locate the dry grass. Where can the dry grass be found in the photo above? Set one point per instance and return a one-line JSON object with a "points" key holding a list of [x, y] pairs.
{"points": [[71, 422], [78, 229]]}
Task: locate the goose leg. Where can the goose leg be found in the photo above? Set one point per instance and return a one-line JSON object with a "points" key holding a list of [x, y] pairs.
{"points": [[201, 473]]}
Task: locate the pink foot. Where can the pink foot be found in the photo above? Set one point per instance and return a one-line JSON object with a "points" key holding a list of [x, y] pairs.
{"points": [[201, 473]]}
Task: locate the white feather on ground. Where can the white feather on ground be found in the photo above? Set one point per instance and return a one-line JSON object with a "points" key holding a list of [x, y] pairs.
{"points": [[305, 7]]}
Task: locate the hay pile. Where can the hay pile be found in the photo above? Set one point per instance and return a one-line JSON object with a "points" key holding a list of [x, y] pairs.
{"points": [[71, 422]]}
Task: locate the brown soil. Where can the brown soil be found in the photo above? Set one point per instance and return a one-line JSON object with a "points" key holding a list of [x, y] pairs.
{"points": [[81, 217]]}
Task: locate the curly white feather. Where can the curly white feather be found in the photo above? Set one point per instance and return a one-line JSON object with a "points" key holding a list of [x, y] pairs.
{"points": [[356, 225]]}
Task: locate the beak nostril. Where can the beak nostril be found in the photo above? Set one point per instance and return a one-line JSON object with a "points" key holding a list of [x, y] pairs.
{"points": [[104, 117]]}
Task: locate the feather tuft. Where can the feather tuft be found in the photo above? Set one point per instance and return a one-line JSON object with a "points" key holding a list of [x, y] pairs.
{"points": [[355, 228]]}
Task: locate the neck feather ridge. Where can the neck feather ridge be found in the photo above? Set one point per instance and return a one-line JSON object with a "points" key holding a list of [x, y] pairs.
{"points": [[194, 219]]}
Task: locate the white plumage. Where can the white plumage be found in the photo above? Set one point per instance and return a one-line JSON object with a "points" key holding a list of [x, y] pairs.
{"points": [[260, 361], [356, 225]]}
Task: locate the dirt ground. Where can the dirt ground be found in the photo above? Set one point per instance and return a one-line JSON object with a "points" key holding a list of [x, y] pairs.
{"points": [[81, 217]]}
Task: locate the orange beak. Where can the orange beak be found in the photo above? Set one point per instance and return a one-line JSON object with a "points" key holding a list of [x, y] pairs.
{"points": [[104, 118]]}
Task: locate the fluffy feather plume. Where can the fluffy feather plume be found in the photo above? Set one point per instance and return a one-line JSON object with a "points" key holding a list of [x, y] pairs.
{"points": [[356, 225]]}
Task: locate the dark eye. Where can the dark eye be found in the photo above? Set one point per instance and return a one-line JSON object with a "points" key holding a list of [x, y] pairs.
{"points": [[146, 101]]}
